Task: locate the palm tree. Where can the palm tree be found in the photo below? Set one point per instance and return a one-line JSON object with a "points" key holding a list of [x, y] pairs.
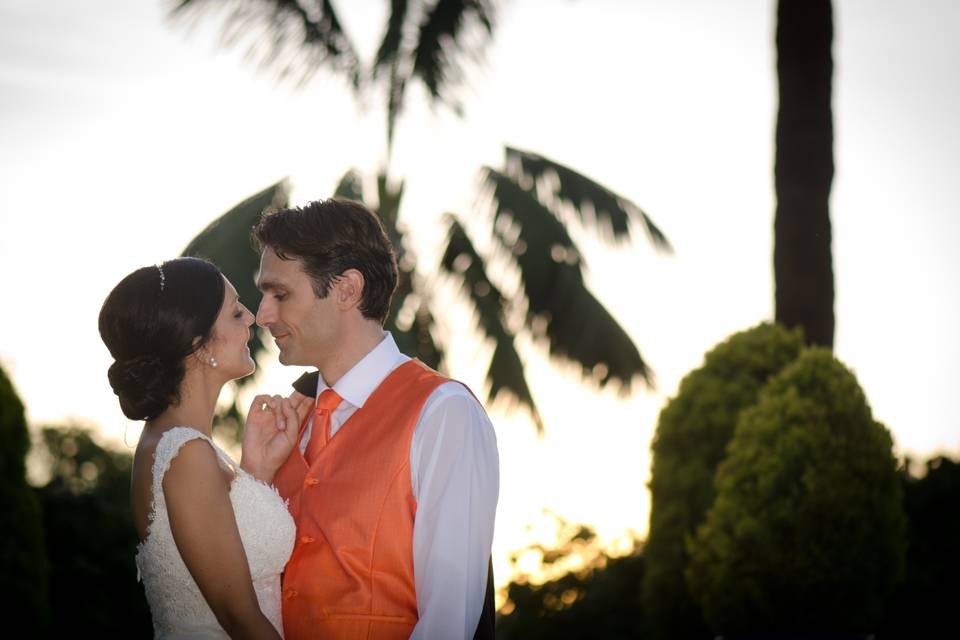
{"points": [[803, 275], [531, 198], [802, 258], [528, 228], [422, 41]]}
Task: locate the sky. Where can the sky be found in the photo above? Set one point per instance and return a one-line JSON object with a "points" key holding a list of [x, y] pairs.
{"points": [[122, 134]]}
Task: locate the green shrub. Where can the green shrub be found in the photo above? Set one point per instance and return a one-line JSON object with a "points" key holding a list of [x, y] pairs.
{"points": [[23, 565], [691, 439], [807, 530]]}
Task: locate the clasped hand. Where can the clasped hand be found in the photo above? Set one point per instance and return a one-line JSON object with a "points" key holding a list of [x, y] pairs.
{"points": [[270, 433]]}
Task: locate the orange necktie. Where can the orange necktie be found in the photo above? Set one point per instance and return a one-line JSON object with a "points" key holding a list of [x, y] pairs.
{"points": [[320, 432]]}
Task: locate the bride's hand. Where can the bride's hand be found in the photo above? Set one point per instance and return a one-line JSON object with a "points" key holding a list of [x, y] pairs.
{"points": [[270, 433], [302, 405]]}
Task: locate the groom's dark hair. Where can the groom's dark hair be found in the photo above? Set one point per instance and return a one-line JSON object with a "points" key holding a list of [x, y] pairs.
{"points": [[329, 237]]}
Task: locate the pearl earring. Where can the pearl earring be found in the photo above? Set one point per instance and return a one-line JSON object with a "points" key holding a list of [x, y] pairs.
{"points": [[213, 362]]}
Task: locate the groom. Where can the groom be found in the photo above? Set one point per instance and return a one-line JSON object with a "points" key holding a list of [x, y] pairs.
{"points": [[393, 479]]}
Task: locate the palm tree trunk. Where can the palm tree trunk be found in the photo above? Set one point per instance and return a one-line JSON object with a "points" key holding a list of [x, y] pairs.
{"points": [[802, 255]]}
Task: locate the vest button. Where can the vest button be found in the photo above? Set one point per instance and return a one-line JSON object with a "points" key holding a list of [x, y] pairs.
{"points": [[291, 593], [306, 539], [309, 482]]}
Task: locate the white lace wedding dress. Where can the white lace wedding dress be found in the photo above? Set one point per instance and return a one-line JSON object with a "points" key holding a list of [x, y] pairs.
{"points": [[266, 529]]}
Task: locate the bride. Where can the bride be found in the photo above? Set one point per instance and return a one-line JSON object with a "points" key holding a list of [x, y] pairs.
{"points": [[214, 539]]}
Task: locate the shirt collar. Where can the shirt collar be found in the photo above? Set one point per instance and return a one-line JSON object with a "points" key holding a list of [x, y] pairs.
{"points": [[363, 378]]}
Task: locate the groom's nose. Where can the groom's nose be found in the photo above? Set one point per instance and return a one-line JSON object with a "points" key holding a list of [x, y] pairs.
{"points": [[265, 312]]}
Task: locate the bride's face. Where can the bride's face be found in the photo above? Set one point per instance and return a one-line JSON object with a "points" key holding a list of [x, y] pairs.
{"points": [[229, 343]]}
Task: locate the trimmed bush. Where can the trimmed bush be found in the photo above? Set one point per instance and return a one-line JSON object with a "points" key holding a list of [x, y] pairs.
{"points": [[23, 564], [691, 440], [807, 530]]}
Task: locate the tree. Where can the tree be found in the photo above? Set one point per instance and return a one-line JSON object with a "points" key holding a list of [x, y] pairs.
{"points": [[802, 255], [807, 530], [23, 563], [690, 442], [532, 198], [91, 540], [601, 599], [425, 42], [804, 292]]}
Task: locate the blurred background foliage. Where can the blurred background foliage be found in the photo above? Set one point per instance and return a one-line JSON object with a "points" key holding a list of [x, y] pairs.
{"points": [[584, 591], [24, 567], [90, 538], [811, 528]]}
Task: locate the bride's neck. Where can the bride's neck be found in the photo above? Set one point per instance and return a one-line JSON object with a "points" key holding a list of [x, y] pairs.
{"points": [[198, 401]]}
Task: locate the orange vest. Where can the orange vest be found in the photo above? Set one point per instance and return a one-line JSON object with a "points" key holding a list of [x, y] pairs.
{"points": [[351, 571]]}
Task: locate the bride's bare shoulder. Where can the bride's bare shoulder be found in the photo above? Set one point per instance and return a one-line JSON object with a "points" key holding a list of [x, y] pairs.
{"points": [[141, 476]]}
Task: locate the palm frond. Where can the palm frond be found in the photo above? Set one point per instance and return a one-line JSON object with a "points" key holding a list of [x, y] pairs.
{"points": [[410, 320], [506, 371], [411, 323], [392, 55], [437, 59], [610, 210], [579, 328], [393, 37], [518, 210], [290, 38], [396, 90], [350, 186], [560, 306], [226, 243], [388, 208]]}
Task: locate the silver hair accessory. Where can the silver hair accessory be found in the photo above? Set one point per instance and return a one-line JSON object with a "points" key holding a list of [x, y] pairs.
{"points": [[213, 362], [163, 279]]}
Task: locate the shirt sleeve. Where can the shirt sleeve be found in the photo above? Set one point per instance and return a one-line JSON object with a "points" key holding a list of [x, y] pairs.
{"points": [[454, 468]]}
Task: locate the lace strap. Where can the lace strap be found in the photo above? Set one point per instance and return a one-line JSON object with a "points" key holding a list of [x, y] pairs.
{"points": [[167, 449]]}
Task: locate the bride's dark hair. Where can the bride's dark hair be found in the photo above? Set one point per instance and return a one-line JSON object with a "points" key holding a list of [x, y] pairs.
{"points": [[150, 322]]}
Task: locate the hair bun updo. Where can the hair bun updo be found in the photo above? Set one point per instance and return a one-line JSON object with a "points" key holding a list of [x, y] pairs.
{"points": [[145, 385]]}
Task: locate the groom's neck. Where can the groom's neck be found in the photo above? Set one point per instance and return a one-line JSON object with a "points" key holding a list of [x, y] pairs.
{"points": [[351, 347]]}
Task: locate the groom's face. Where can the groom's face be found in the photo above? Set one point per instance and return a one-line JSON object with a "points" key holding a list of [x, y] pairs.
{"points": [[304, 327]]}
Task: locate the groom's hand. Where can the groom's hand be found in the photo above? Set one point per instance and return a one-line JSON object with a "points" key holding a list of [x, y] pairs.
{"points": [[270, 433]]}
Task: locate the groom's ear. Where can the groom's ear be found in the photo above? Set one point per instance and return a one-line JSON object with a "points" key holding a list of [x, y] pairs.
{"points": [[348, 289]]}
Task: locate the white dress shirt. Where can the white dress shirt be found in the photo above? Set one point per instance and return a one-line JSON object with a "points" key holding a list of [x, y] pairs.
{"points": [[454, 471]]}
